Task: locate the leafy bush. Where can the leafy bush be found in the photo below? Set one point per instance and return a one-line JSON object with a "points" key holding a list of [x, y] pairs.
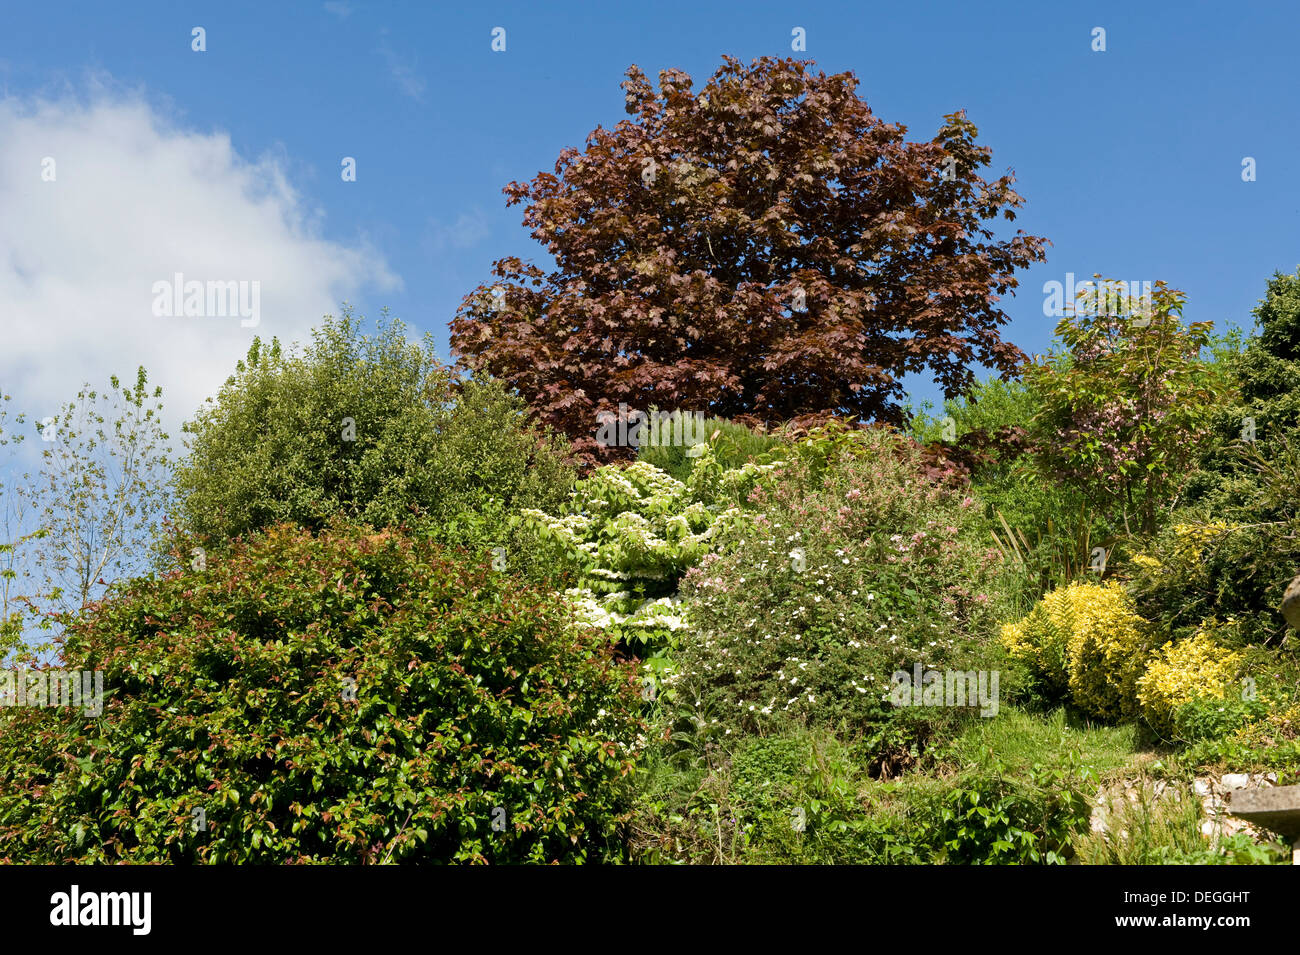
{"points": [[834, 584], [995, 819], [1199, 569], [1265, 405], [632, 532], [1205, 717], [372, 428], [1087, 640], [800, 793], [1127, 403], [733, 445], [1179, 673], [1261, 740], [1044, 525], [352, 697]]}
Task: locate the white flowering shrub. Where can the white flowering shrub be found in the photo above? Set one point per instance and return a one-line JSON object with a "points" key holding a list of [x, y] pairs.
{"points": [[838, 581], [632, 531]]}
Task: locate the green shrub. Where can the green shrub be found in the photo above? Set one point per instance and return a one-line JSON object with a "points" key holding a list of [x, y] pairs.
{"points": [[833, 585], [371, 428], [1265, 406], [733, 446], [1045, 525], [995, 819], [1230, 567], [1211, 718], [350, 698], [1240, 505], [1260, 742], [1127, 402]]}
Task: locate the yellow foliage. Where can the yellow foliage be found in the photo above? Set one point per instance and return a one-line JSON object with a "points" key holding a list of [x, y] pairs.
{"points": [[1088, 640], [1190, 539], [1147, 562], [1180, 672]]}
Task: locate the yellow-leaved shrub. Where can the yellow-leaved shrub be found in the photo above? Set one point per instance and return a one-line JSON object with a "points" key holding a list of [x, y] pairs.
{"points": [[1085, 639], [1180, 672], [1190, 539]]}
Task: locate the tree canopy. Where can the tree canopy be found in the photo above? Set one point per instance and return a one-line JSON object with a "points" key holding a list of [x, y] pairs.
{"points": [[370, 427], [764, 248]]}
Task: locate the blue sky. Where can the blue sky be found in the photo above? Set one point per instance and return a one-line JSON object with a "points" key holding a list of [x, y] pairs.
{"points": [[1130, 160]]}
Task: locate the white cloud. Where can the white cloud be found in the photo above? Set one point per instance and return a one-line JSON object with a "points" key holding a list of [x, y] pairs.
{"points": [[340, 10], [136, 200]]}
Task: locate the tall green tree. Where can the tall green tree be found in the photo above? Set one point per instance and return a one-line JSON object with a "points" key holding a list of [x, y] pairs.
{"points": [[16, 532], [1263, 417], [99, 499], [369, 427]]}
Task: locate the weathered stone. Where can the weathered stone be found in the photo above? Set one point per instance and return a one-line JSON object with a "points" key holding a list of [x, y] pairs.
{"points": [[1232, 781], [1274, 807]]}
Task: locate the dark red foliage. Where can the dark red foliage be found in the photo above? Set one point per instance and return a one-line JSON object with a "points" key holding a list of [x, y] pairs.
{"points": [[767, 247]]}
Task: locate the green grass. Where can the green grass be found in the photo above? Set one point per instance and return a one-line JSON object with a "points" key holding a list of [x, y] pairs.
{"points": [[1020, 740], [1167, 831]]}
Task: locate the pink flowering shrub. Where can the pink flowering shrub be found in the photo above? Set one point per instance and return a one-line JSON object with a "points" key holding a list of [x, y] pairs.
{"points": [[1126, 403], [835, 584]]}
